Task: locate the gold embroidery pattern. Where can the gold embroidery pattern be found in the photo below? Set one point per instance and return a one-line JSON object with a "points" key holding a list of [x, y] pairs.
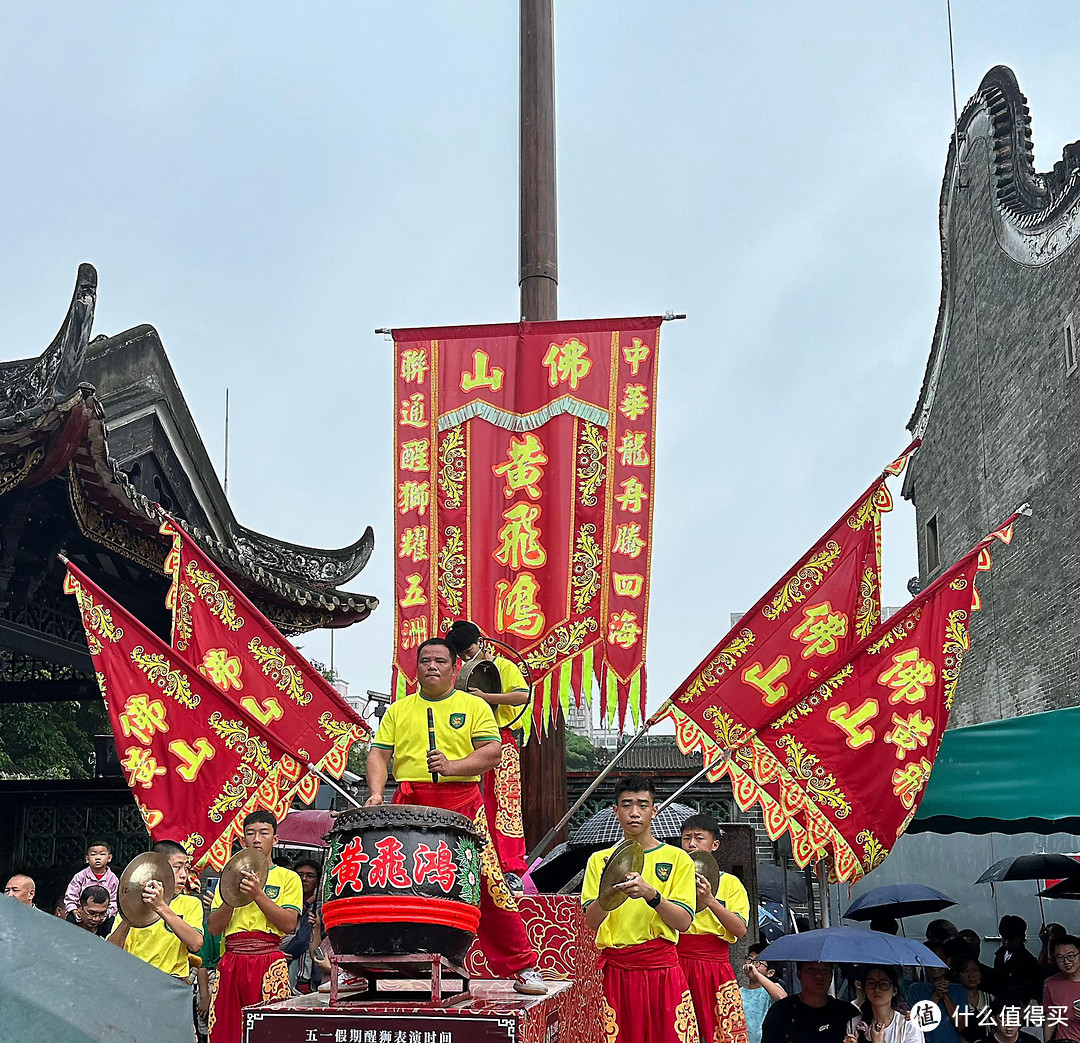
{"points": [[452, 468], [508, 793], [562, 641], [16, 467], [182, 624], [275, 983], [491, 871], [867, 613], [722, 664], [452, 570], [821, 694], [159, 670], [285, 676], [820, 783], [585, 576], [686, 1020], [896, 633], [97, 620], [591, 471], [220, 601], [803, 582], [874, 851], [237, 737], [233, 793], [337, 729], [730, 1019], [610, 1025], [193, 841], [953, 650]]}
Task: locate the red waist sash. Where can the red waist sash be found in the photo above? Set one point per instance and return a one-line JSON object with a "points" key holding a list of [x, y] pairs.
{"points": [[252, 943], [652, 955], [704, 947], [463, 797]]}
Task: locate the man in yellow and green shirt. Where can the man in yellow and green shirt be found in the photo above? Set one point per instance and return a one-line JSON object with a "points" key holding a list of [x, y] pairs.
{"points": [[253, 969], [704, 950], [466, 744], [502, 785], [167, 943], [647, 998]]}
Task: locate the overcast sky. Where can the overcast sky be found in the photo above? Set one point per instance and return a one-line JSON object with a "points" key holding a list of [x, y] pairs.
{"points": [[267, 183]]}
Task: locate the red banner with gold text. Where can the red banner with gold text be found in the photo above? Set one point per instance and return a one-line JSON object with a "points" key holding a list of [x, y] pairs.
{"points": [[523, 487], [842, 766], [233, 645], [196, 763]]}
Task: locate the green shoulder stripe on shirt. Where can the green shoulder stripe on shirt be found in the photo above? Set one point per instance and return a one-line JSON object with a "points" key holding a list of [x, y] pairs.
{"points": [[682, 905], [383, 745], [587, 902], [292, 907], [486, 738]]}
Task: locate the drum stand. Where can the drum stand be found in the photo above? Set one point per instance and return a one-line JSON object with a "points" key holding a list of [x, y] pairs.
{"points": [[390, 968]]}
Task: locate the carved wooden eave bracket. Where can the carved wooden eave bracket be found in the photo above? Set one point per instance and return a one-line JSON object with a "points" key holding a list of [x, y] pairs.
{"points": [[51, 426], [1036, 217]]}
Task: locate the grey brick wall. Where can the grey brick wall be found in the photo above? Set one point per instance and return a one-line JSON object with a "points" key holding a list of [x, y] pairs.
{"points": [[1004, 428]]}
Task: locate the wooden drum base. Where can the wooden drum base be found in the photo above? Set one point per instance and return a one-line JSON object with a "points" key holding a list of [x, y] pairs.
{"points": [[410, 966]]}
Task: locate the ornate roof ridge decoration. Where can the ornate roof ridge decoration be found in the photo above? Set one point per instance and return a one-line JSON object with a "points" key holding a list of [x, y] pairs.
{"points": [[50, 423], [1036, 216]]}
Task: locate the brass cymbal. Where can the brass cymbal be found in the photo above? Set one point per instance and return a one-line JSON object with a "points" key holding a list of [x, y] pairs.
{"points": [[628, 857], [705, 864], [250, 858], [139, 872], [481, 674]]}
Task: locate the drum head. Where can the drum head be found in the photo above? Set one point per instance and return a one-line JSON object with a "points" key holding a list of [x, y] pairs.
{"points": [[481, 674]]}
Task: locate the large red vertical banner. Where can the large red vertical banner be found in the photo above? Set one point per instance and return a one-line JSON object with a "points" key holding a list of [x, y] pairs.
{"points": [[523, 489]]}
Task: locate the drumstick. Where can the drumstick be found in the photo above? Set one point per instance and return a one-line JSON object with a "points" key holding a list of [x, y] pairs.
{"points": [[431, 739]]}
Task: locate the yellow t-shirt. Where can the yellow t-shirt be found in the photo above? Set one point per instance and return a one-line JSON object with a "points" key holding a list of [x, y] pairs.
{"points": [[670, 870], [282, 886], [462, 722], [507, 716], [734, 898], [158, 946]]}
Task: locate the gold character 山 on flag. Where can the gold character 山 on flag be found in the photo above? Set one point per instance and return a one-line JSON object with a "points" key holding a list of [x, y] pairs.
{"points": [[524, 457]]}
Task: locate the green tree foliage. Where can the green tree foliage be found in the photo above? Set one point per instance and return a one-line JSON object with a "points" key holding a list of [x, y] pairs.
{"points": [[580, 753], [50, 740]]}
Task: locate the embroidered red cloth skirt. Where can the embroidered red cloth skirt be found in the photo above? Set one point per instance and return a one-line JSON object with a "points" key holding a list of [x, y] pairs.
{"points": [[647, 997], [501, 933], [502, 804], [706, 961], [253, 969]]}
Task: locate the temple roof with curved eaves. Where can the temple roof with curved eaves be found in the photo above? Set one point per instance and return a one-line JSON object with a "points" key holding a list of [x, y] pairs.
{"points": [[53, 421], [1036, 215]]}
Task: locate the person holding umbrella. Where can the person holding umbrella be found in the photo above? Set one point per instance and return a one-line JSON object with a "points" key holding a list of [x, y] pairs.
{"points": [[884, 1016], [811, 1014]]}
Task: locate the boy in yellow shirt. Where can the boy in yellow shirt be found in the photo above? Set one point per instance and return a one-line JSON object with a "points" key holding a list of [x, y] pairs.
{"points": [[166, 943], [253, 969], [704, 950], [502, 785], [648, 1000]]}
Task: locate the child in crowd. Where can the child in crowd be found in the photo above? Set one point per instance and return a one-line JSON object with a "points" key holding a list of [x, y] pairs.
{"points": [[759, 993], [97, 871], [166, 943]]}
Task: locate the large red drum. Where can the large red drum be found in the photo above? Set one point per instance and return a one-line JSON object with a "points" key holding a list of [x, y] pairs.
{"points": [[402, 879]]}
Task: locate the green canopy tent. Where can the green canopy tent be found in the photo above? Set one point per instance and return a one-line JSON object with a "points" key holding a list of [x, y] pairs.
{"points": [[1020, 775]]}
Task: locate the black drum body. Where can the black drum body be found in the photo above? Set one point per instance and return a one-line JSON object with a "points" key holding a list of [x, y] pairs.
{"points": [[402, 879]]}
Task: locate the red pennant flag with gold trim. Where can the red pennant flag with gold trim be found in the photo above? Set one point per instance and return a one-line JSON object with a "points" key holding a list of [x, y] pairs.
{"points": [[798, 633], [196, 763], [239, 650], [842, 766]]}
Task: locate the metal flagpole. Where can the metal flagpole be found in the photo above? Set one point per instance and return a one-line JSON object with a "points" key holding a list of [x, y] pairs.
{"points": [[684, 787], [334, 786], [607, 769]]}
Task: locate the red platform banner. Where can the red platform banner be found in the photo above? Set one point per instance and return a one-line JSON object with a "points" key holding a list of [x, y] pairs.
{"points": [[523, 485], [196, 762], [805, 626], [231, 643], [842, 766]]}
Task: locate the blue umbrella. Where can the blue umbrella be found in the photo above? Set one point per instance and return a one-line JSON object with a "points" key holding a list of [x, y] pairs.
{"points": [[851, 945], [897, 900]]}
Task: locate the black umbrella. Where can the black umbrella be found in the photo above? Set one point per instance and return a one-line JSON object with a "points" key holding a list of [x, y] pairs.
{"points": [[561, 865], [603, 829], [1062, 889], [897, 900], [1046, 866], [770, 884]]}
